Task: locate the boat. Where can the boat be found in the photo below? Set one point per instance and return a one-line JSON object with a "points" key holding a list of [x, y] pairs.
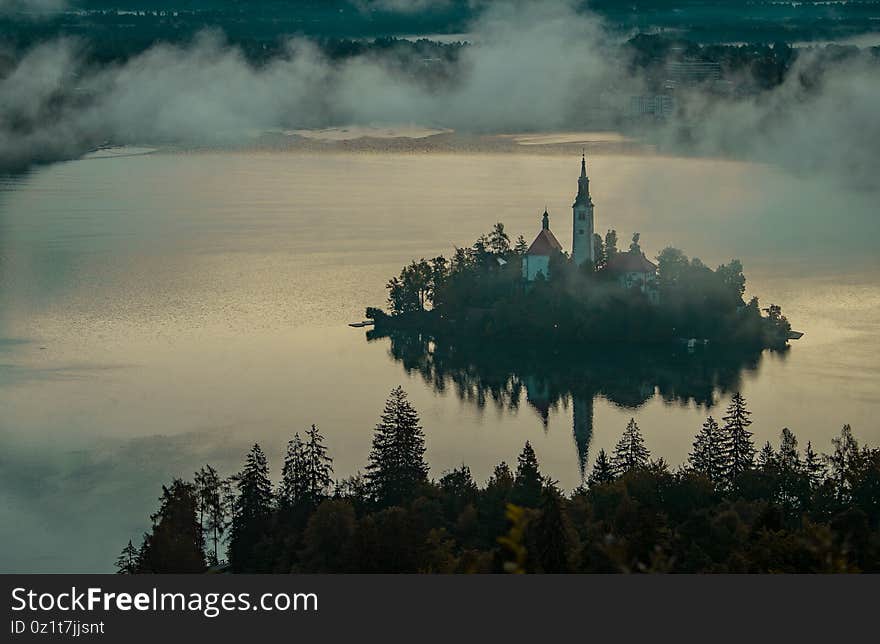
{"points": [[361, 324], [795, 335]]}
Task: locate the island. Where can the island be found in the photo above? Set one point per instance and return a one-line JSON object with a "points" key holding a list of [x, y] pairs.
{"points": [[498, 290]]}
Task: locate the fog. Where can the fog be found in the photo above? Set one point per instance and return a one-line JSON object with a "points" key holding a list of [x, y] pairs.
{"points": [[537, 67]]}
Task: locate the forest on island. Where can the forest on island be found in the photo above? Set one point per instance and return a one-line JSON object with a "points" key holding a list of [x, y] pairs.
{"points": [[480, 292], [729, 508]]}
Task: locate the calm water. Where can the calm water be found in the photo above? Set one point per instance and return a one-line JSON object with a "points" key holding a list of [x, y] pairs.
{"points": [[158, 312]]}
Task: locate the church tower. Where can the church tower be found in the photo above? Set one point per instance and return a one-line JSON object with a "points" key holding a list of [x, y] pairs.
{"points": [[583, 224]]}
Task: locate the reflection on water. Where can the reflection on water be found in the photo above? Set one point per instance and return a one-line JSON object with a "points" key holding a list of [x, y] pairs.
{"points": [[546, 379], [161, 311]]}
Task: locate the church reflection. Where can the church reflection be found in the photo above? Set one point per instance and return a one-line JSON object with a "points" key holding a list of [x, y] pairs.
{"points": [[546, 380]]}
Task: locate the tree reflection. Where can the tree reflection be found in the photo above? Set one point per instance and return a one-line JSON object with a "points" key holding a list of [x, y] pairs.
{"points": [[546, 379]]}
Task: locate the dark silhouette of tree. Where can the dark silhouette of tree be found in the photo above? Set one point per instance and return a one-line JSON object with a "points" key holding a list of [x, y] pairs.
{"points": [[599, 252], [842, 463], [397, 467], [210, 492], [319, 467], [813, 466], [739, 447], [128, 561], [327, 541], [528, 481], [252, 513], [521, 247], [293, 485], [603, 470], [552, 534], [610, 244], [175, 544], [630, 451], [634, 244], [767, 457], [499, 241], [707, 456]]}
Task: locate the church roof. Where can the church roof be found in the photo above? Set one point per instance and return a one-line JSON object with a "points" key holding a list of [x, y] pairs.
{"points": [[545, 244], [630, 262]]}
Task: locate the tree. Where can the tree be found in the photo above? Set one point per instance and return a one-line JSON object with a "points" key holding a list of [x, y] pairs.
{"points": [[842, 463], [732, 277], [610, 244], [739, 447], [707, 456], [599, 251], [788, 457], [499, 241], [553, 534], [319, 467], [767, 457], [397, 465], [671, 266], [528, 481], [252, 512], [603, 471], [327, 538], [128, 562], [210, 491], [176, 543], [634, 245], [814, 468], [521, 247], [630, 451], [292, 489]]}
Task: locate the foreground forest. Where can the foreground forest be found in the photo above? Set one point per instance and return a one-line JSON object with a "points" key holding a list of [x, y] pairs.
{"points": [[729, 508]]}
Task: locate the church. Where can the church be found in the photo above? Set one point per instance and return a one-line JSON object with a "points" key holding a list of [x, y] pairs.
{"points": [[631, 268]]}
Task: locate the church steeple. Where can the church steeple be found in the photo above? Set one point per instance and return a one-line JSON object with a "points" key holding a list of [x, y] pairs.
{"points": [[583, 223], [545, 220]]}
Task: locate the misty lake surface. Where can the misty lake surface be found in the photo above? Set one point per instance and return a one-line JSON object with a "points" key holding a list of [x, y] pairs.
{"points": [[162, 311]]}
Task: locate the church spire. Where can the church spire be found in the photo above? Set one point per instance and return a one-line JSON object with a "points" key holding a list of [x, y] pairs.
{"points": [[584, 164], [545, 220]]}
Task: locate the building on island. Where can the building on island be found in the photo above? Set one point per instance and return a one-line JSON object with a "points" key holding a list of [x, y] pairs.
{"points": [[537, 258], [632, 269]]}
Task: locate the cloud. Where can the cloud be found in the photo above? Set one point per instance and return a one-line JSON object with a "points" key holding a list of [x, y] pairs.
{"points": [[31, 6]]}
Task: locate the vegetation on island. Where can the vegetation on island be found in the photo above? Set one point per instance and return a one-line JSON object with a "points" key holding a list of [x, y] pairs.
{"points": [[480, 292], [729, 508]]}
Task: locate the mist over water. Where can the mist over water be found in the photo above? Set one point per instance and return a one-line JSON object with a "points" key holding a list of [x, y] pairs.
{"points": [[160, 311]]}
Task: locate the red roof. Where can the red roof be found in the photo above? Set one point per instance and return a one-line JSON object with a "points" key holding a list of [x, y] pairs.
{"points": [[545, 244], [630, 262]]}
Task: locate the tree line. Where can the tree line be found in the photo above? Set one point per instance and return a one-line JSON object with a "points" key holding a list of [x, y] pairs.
{"points": [[729, 508]]}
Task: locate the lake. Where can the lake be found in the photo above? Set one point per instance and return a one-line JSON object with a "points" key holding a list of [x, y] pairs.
{"points": [[162, 311]]}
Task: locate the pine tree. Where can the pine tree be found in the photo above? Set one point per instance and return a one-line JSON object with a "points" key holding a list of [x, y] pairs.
{"points": [[707, 457], [767, 457], [788, 458], [813, 467], [521, 247], [528, 481], [319, 467], [128, 562], [630, 451], [251, 512], [739, 454], [293, 485], [603, 471], [553, 534], [843, 461], [176, 543], [210, 490], [397, 465]]}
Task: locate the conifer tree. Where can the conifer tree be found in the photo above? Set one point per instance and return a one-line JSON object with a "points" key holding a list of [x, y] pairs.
{"points": [[252, 511], [843, 461], [813, 467], [707, 456], [397, 465], [176, 543], [128, 561], [603, 471], [521, 247], [739, 448], [293, 485], [630, 451], [319, 467], [767, 457], [528, 481], [552, 533], [210, 490], [788, 458]]}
